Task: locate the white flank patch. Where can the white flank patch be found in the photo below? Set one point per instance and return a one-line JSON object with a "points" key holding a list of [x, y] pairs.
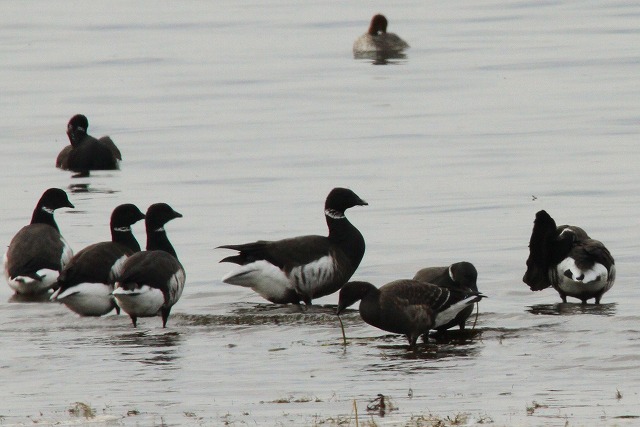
{"points": [[5, 269], [27, 285], [263, 277], [310, 276], [176, 285], [87, 299], [116, 268], [446, 316], [594, 279], [67, 253], [143, 301]]}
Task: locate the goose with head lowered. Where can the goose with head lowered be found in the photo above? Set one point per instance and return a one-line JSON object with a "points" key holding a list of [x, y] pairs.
{"points": [[306, 267], [408, 307], [85, 285], [566, 258], [462, 276], [151, 281], [86, 153], [38, 252]]}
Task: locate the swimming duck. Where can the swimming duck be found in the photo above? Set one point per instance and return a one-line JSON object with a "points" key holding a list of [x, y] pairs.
{"points": [[462, 276], [377, 39], [152, 281], [306, 267], [38, 252], [408, 307], [86, 283], [567, 259], [87, 153]]}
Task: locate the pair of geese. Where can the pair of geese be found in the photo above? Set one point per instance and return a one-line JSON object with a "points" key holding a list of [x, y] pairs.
{"points": [[292, 270]]}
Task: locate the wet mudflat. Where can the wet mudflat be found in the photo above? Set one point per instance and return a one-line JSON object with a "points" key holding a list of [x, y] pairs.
{"points": [[244, 120]]}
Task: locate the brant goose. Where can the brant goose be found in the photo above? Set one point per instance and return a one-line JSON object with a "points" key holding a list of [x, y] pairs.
{"points": [[461, 276], [38, 251], [151, 281], [407, 307], [567, 259], [306, 267], [377, 39], [85, 152], [86, 283]]}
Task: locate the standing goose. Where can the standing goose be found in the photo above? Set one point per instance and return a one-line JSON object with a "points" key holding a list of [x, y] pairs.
{"points": [[462, 276], [567, 259], [378, 40], [38, 251], [152, 281], [306, 267], [87, 153], [86, 283], [407, 307]]}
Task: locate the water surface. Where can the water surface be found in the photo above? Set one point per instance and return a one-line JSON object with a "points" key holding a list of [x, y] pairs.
{"points": [[243, 116]]}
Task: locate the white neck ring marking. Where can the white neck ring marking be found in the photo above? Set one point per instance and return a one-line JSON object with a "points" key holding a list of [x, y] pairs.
{"points": [[332, 213]]}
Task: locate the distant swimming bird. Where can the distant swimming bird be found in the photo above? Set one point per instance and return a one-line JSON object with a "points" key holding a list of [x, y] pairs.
{"points": [[38, 251], [377, 39], [85, 152], [407, 307], [86, 283], [460, 276], [567, 259], [306, 267], [152, 281]]}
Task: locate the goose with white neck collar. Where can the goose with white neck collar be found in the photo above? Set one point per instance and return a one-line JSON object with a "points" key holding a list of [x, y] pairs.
{"points": [[85, 285], [306, 267], [38, 252], [152, 281]]}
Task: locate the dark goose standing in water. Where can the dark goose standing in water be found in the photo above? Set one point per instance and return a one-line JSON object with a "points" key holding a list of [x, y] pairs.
{"points": [[152, 281], [462, 276], [38, 251], [85, 285], [408, 307], [85, 152], [306, 267], [567, 259]]}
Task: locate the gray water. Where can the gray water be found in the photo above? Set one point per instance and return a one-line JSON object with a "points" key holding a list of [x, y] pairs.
{"points": [[242, 116]]}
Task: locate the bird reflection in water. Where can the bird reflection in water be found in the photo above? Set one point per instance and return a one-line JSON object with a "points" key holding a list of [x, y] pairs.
{"points": [[567, 309], [158, 349], [29, 298], [451, 345], [382, 58], [85, 187]]}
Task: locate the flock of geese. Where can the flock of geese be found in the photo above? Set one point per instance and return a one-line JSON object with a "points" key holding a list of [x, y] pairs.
{"points": [[118, 275]]}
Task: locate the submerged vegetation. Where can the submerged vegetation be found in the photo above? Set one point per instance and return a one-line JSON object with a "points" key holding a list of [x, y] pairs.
{"points": [[80, 409]]}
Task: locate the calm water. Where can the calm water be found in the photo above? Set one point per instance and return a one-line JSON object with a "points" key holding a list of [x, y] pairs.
{"points": [[243, 116]]}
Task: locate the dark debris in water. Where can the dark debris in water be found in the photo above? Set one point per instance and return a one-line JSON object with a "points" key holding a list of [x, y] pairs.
{"points": [[381, 404]]}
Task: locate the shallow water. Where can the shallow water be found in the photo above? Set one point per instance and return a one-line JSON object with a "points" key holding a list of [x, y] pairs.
{"points": [[243, 117]]}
